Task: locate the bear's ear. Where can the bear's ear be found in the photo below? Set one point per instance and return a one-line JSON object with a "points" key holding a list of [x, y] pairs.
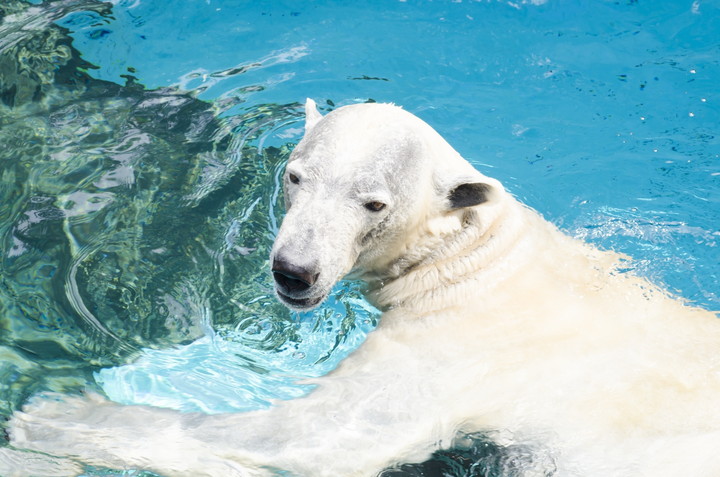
{"points": [[468, 189], [312, 115], [469, 194]]}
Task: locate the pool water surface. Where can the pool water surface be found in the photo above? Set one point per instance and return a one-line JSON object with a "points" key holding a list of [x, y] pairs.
{"points": [[143, 143]]}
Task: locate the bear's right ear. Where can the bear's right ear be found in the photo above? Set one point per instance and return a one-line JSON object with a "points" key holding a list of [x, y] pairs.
{"points": [[312, 115]]}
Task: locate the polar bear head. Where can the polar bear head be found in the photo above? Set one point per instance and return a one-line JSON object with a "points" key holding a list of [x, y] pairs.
{"points": [[367, 188]]}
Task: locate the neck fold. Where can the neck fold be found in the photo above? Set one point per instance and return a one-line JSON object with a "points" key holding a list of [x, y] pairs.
{"points": [[443, 269]]}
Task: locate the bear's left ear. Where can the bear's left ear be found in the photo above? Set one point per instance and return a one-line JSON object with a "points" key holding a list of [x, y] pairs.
{"points": [[312, 115], [469, 188], [469, 194]]}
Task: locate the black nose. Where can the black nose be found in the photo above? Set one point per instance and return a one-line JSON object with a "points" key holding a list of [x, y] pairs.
{"points": [[291, 277]]}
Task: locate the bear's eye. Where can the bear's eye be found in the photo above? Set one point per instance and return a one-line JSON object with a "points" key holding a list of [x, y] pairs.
{"points": [[293, 178], [375, 206]]}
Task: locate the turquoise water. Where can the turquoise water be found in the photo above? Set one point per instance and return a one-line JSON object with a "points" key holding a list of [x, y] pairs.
{"points": [[142, 143]]}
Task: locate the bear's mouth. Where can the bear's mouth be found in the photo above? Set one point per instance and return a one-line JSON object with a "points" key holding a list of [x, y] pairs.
{"points": [[300, 304]]}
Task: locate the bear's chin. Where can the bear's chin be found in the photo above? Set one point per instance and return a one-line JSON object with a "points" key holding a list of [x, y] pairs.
{"points": [[300, 304]]}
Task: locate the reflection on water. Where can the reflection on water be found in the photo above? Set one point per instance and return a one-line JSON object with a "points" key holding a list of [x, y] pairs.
{"points": [[232, 370]]}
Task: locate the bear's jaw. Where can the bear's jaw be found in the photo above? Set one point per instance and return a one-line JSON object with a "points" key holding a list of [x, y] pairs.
{"points": [[299, 304]]}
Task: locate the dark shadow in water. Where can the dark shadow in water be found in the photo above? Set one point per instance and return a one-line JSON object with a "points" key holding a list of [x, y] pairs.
{"points": [[477, 455]]}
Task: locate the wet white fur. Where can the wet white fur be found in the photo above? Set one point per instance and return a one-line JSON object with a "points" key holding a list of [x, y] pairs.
{"points": [[494, 321]]}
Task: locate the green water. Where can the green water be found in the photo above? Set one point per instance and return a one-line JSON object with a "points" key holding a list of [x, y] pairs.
{"points": [[129, 218]]}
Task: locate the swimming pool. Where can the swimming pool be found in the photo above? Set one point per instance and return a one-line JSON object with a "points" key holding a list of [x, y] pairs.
{"points": [[139, 188]]}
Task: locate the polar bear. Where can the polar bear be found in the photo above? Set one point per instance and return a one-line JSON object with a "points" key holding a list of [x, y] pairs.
{"points": [[493, 321]]}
